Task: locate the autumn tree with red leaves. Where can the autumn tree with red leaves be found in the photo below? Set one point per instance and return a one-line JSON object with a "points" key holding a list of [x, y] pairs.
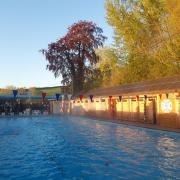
{"points": [[73, 55]]}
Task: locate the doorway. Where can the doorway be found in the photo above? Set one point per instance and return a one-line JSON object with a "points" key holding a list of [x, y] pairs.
{"points": [[113, 108]]}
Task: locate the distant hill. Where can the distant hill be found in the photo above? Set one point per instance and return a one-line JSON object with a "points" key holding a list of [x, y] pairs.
{"points": [[38, 90], [51, 90]]}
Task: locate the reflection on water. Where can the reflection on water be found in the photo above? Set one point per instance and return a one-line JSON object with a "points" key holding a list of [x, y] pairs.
{"points": [[167, 148], [82, 148]]}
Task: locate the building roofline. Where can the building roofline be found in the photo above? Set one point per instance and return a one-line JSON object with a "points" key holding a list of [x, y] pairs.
{"points": [[167, 84]]}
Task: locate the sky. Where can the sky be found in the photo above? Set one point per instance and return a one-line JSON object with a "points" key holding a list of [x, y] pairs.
{"points": [[26, 26]]}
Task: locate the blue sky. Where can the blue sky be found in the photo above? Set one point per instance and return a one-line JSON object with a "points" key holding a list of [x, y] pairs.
{"points": [[26, 26]]}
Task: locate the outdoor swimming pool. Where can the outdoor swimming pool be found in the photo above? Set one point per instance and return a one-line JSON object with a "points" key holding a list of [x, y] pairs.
{"points": [[80, 148]]}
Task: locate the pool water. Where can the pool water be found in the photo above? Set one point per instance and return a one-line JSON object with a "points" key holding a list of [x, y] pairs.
{"points": [[54, 147]]}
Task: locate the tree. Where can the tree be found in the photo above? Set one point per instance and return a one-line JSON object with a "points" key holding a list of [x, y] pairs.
{"points": [[73, 55], [110, 67], [9, 89], [22, 91], [147, 34]]}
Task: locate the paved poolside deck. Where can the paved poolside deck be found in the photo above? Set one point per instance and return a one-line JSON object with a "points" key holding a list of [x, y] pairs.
{"points": [[137, 124], [150, 126]]}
